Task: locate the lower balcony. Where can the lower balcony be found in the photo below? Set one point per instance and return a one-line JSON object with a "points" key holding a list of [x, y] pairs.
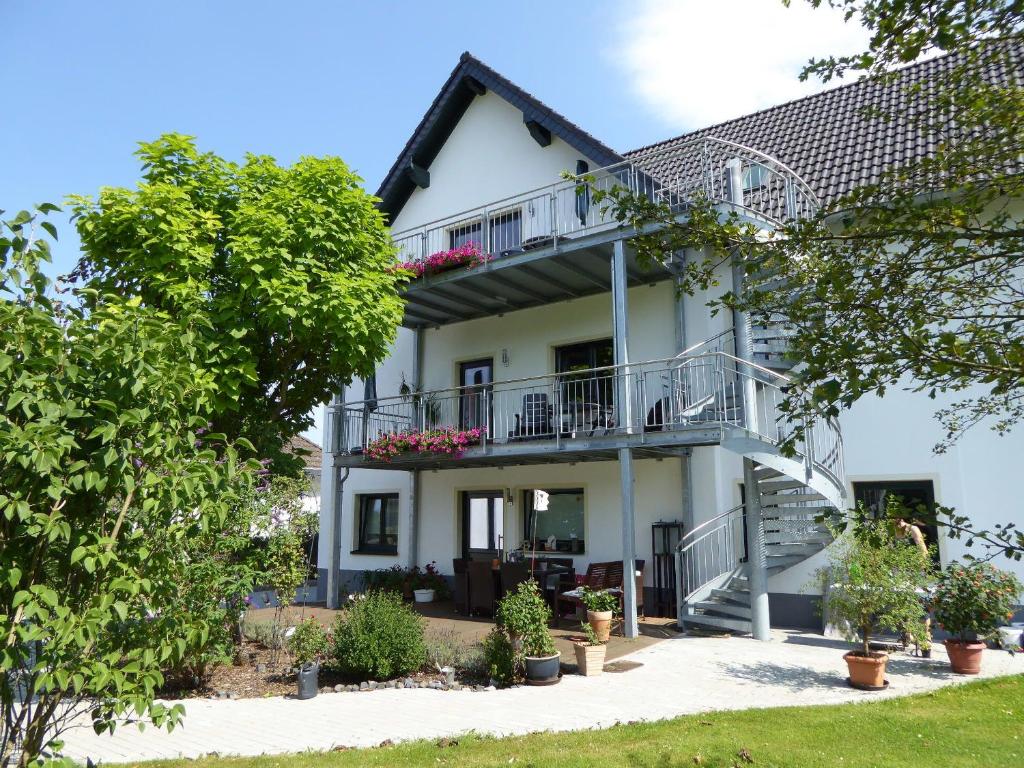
{"points": [[657, 408]]}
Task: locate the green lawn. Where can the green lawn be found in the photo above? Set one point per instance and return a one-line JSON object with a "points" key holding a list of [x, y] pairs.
{"points": [[980, 724]]}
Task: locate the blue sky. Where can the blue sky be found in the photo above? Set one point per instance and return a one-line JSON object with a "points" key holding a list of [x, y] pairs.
{"points": [[84, 82]]}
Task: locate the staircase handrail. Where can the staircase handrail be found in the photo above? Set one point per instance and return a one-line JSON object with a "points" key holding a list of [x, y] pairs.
{"points": [[698, 565]]}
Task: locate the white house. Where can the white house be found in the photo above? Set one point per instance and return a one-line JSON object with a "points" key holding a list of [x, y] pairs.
{"points": [[594, 381]]}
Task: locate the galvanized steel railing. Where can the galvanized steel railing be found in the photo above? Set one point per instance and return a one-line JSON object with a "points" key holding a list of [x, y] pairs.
{"points": [[709, 552], [677, 174], [702, 390]]}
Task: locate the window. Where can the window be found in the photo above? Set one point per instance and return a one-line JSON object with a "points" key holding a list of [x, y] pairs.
{"points": [[475, 380], [563, 519], [483, 522], [756, 176], [506, 231], [911, 493], [597, 389], [465, 233], [378, 524]]}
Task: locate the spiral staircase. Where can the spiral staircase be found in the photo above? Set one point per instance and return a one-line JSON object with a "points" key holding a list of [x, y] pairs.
{"points": [[794, 493]]}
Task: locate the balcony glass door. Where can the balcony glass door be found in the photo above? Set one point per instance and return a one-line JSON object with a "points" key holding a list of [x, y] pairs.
{"points": [[587, 398], [483, 523], [475, 378]]}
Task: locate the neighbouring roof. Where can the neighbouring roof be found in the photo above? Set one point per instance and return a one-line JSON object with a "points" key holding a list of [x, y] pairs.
{"points": [[306, 450], [447, 109], [829, 141]]}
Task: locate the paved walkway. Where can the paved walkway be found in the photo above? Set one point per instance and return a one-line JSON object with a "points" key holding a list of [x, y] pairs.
{"points": [[678, 676]]}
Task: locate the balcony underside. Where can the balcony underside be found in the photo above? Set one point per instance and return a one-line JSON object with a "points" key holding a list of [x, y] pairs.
{"points": [[553, 450], [557, 271]]}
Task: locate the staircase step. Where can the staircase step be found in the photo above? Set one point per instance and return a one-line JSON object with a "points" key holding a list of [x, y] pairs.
{"points": [[783, 562], [766, 473], [719, 622], [780, 485], [804, 550], [797, 537], [777, 499], [741, 596], [808, 513], [716, 608]]}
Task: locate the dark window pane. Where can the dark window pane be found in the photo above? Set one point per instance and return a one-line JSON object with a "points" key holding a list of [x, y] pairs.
{"points": [[378, 523], [563, 519], [466, 233], [506, 232]]}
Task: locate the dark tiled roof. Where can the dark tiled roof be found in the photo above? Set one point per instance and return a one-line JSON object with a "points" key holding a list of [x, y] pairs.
{"points": [[306, 450], [446, 110], [829, 141]]}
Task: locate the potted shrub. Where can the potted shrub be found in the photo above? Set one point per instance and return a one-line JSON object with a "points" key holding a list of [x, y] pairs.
{"points": [[308, 645], [970, 603], [590, 653], [601, 606], [427, 584], [524, 615], [875, 579]]}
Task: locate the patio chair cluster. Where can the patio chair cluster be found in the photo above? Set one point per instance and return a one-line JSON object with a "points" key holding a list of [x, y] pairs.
{"points": [[480, 584]]}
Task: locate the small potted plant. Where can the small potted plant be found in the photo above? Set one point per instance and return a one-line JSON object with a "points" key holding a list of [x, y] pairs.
{"points": [[525, 615], [970, 603], [875, 579], [590, 652], [428, 584], [308, 645], [601, 606]]}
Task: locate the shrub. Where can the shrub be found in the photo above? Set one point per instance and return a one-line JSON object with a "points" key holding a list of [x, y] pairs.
{"points": [[445, 648], [308, 642], [971, 601], [379, 637], [875, 577], [503, 662], [525, 615]]}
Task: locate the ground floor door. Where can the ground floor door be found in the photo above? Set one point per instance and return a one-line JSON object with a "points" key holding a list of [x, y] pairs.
{"points": [[483, 524]]}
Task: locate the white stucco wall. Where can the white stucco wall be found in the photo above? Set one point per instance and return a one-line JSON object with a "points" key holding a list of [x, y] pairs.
{"points": [[489, 156]]}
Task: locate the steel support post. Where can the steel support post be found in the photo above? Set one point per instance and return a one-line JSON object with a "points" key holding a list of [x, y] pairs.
{"points": [[620, 314], [756, 558]]}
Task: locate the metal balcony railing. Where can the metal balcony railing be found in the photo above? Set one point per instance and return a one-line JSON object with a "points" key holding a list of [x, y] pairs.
{"points": [[704, 167], [701, 390]]}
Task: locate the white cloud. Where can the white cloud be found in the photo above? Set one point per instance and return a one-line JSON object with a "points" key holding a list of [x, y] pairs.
{"points": [[698, 62]]}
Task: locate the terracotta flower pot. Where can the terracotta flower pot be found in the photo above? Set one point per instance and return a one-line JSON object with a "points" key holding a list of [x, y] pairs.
{"points": [[964, 658], [590, 658], [601, 623], [867, 672]]}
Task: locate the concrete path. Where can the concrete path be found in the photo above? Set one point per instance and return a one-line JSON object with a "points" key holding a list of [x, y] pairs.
{"points": [[678, 676]]}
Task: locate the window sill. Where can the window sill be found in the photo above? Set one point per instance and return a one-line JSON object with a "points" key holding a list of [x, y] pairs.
{"points": [[378, 552]]}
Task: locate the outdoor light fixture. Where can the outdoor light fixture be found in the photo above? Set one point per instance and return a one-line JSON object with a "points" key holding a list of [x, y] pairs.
{"points": [[505, 359]]}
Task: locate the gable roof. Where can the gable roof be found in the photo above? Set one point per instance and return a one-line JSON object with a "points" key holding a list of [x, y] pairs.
{"points": [[464, 83], [829, 141]]}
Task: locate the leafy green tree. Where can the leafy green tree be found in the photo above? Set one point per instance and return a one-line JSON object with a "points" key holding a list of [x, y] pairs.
{"points": [[910, 282], [290, 270], [106, 478]]}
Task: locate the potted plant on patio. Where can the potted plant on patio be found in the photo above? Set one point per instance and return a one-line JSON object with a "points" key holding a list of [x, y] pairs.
{"points": [[875, 579], [601, 607], [590, 652], [308, 645], [525, 616], [970, 603]]}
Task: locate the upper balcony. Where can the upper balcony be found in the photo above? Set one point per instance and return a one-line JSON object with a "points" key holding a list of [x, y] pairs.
{"points": [[554, 243]]}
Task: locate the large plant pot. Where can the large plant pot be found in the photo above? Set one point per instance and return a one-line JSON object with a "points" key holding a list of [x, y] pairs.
{"points": [[308, 681], [601, 623], [542, 669], [423, 595], [867, 672], [964, 658], [590, 658]]}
